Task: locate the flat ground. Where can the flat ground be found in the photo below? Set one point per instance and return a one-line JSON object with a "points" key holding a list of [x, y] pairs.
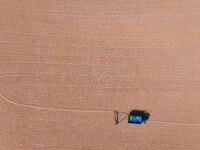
{"points": [[66, 65]]}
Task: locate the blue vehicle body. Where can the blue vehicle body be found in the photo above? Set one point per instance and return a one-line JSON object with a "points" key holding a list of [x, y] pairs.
{"points": [[138, 116], [135, 119]]}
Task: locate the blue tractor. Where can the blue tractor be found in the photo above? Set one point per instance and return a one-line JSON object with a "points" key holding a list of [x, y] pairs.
{"points": [[138, 116], [134, 117]]}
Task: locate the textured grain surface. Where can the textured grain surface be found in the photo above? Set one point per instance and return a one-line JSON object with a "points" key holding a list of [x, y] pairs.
{"points": [[66, 65]]}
